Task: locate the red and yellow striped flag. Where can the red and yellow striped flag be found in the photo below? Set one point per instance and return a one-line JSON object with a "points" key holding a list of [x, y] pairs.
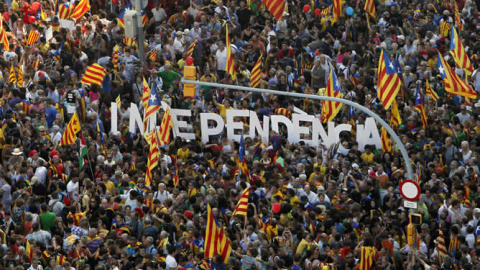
{"points": [[453, 83], [370, 8], [330, 108], [256, 74], [276, 7], [65, 11], [192, 47], [3, 36], [115, 60], [153, 157], [367, 256], [153, 55], [19, 75], [337, 9], [176, 180], [94, 75], [429, 92], [242, 205], [12, 78], [70, 134], [441, 248], [216, 241], [230, 68], [33, 37], [80, 10], [388, 80], [29, 251], [36, 64], [154, 105], [128, 41], [459, 54], [458, 21], [270, 230], [145, 94], [60, 260], [326, 11], [395, 119], [165, 128], [420, 107], [386, 143], [445, 28], [283, 111], [26, 108], [454, 244]]}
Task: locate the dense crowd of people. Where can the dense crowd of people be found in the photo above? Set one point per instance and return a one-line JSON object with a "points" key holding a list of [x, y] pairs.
{"points": [[310, 207]]}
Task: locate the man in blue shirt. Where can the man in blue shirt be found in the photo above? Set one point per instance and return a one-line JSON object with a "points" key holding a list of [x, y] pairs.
{"points": [[50, 112], [52, 93]]}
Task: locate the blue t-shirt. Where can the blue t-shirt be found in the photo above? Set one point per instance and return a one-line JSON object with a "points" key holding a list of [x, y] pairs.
{"points": [[51, 113]]}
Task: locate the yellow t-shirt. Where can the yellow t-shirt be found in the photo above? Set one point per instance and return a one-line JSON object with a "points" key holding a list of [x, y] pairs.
{"points": [[302, 246], [183, 154], [310, 179], [222, 110], [2, 139], [213, 80], [323, 169], [44, 48], [294, 201], [368, 157], [110, 187]]}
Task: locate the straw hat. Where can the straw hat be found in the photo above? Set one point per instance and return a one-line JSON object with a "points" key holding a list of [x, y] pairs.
{"points": [[17, 152]]}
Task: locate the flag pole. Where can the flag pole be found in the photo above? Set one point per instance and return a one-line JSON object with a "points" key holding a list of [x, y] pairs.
{"points": [[77, 108], [368, 21]]}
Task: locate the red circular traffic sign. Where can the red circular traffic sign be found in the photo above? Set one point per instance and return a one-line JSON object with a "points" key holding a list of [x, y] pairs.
{"points": [[410, 190]]}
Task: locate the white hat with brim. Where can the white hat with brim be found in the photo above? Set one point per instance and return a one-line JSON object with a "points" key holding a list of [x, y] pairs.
{"points": [[17, 152]]}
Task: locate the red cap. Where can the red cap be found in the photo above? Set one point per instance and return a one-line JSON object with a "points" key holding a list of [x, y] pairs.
{"points": [[60, 168], [372, 174], [424, 52], [33, 152], [188, 213], [66, 201], [53, 153]]}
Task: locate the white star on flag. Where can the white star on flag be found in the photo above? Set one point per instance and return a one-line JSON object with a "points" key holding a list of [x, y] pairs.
{"points": [[442, 71], [153, 98]]}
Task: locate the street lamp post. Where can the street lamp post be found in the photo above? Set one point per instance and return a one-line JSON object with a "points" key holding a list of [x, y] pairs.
{"points": [[384, 124]]}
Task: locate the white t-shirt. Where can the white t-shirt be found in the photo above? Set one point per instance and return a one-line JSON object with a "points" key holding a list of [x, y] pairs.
{"points": [[41, 173], [476, 81], [171, 262], [221, 57], [56, 138], [73, 188], [129, 62], [159, 14]]}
